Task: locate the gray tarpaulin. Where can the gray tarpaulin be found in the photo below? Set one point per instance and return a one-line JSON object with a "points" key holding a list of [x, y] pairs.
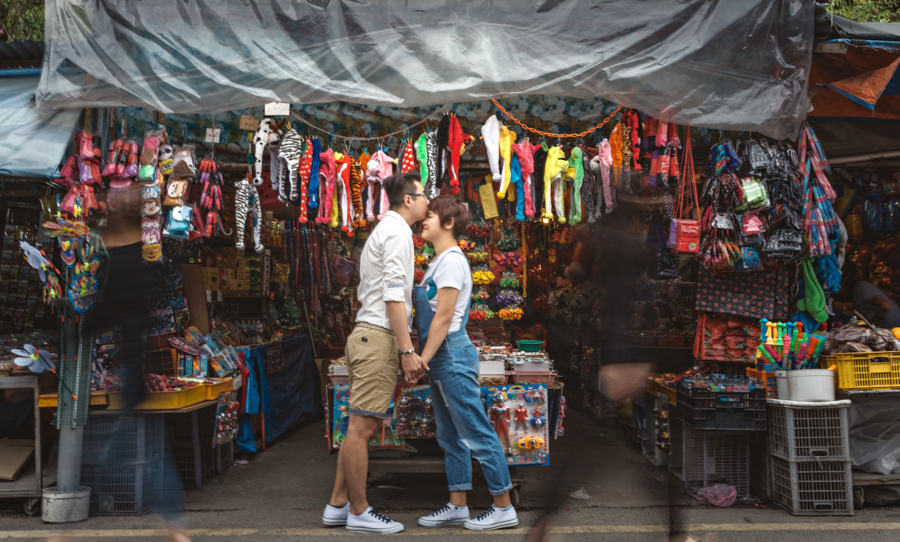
{"points": [[729, 65]]}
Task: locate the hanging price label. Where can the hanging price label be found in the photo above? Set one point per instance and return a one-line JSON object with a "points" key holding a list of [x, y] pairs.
{"points": [[213, 134], [249, 123], [278, 109]]}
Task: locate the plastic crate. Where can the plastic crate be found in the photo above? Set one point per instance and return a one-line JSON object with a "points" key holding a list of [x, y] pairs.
{"points": [[161, 400], [716, 457], [120, 491], [701, 408], [224, 457], [123, 439], [814, 431], [813, 488], [768, 379], [865, 370], [213, 390], [191, 436]]}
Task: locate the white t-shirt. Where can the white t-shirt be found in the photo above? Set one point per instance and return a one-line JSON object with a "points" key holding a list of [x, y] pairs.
{"points": [[452, 271]]}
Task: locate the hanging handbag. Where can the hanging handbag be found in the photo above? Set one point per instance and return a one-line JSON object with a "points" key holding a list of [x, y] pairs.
{"points": [[684, 233]]}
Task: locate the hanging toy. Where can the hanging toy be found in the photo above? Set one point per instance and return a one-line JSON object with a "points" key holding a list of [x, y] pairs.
{"points": [[379, 168], [525, 153], [457, 142], [356, 188], [327, 184], [267, 137], [408, 161], [288, 160], [246, 202]]}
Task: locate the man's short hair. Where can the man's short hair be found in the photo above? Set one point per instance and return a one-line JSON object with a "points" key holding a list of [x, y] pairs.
{"points": [[398, 186]]}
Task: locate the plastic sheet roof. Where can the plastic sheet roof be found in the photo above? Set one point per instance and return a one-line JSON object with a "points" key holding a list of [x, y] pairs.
{"points": [[32, 142], [725, 65]]}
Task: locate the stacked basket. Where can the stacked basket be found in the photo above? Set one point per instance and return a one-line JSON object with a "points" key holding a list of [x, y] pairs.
{"points": [[810, 457]]}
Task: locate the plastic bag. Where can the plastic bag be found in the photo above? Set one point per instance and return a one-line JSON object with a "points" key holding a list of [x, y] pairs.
{"points": [[882, 340], [852, 347], [873, 216], [874, 435], [852, 334], [892, 216], [720, 495]]}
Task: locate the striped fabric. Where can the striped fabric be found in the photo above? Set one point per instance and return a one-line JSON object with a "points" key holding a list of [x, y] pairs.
{"points": [[32, 143]]}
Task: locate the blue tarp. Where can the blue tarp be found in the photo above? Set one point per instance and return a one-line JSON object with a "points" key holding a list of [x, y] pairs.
{"points": [[32, 143], [284, 395]]}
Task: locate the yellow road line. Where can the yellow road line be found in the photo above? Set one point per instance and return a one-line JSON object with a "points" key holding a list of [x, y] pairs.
{"points": [[561, 529]]}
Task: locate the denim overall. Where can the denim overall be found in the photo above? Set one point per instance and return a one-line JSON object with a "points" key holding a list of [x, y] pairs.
{"points": [[463, 429]]}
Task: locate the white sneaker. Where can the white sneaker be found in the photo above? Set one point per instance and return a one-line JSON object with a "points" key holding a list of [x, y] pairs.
{"points": [[371, 521], [494, 518], [335, 516], [448, 515]]}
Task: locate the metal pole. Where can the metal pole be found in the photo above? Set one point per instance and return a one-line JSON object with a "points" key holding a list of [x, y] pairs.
{"points": [[71, 440]]}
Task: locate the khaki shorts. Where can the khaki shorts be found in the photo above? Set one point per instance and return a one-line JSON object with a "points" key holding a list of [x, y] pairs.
{"points": [[373, 359]]}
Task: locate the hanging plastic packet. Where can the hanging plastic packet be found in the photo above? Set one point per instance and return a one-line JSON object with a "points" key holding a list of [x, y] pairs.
{"points": [[184, 162], [179, 222], [175, 192]]}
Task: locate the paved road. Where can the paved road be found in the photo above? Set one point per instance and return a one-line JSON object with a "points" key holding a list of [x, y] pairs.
{"points": [[280, 493]]}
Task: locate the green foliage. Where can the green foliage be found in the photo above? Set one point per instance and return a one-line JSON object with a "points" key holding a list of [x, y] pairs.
{"points": [[867, 11], [21, 20]]}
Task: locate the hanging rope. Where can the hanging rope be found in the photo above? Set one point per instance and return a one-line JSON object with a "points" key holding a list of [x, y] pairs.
{"points": [[551, 135], [438, 111]]}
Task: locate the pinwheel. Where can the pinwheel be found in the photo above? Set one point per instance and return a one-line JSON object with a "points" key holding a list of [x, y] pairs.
{"points": [[47, 271], [36, 360]]}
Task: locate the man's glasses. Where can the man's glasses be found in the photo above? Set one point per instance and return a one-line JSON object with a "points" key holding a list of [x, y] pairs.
{"points": [[416, 195]]}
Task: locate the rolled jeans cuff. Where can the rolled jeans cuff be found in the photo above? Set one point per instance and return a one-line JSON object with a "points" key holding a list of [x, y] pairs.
{"points": [[461, 487], [497, 493]]}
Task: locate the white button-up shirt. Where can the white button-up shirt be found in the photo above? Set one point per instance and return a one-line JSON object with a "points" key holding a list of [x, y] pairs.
{"points": [[386, 271]]}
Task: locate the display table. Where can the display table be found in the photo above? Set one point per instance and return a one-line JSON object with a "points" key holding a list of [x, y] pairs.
{"points": [[280, 385], [28, 483]]}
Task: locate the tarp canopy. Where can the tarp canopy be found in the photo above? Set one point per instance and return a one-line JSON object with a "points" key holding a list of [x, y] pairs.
{"points": [[32, 142], [832, 27], [726, 65]]}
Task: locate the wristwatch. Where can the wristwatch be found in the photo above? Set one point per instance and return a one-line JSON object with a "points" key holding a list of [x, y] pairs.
{"points": [[410, 351]]}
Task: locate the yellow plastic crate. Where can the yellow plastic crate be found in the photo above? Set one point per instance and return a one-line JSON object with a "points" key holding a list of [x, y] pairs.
{"points": [[162, 400], [213, 390], [859, 371], [49, 400]]}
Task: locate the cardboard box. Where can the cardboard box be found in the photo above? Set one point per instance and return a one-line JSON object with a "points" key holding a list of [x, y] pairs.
{"points": [[211, 278]]}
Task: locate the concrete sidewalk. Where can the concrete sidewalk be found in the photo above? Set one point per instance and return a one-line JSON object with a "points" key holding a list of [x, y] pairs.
{"points": [[280, 494]]}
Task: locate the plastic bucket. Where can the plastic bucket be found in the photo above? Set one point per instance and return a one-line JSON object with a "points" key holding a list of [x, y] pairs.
{"points": [[811, 385], [65, 506], [784, 392]]}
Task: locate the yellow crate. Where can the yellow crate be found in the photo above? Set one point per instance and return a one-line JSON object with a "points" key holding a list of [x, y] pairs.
{"points": [[655, 389], [50, 400], [213, 390], [162, 400], [865, 370]]}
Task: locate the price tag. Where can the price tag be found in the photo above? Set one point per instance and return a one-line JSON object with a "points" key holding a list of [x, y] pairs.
{"points": [[124, 127], [213, 134], [249, 123], [208, 296], [219, 295], [278, 109]]}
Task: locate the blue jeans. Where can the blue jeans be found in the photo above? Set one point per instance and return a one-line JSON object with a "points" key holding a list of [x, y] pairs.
{"points": [[463, 429]]}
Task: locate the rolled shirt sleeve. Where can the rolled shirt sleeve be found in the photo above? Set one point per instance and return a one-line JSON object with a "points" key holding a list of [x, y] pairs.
{"points": [[398, 259]]}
